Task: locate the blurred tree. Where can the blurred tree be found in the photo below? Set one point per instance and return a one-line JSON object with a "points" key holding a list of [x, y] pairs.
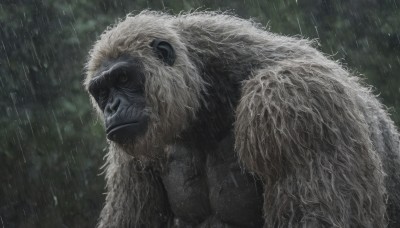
{"points": [[51, 150]]}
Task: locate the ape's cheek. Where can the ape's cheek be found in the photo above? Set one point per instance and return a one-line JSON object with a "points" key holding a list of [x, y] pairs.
{"points": [[128, 132]]}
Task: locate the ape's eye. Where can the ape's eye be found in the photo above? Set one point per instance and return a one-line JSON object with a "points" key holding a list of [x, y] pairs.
{"points": [[122, 79]]}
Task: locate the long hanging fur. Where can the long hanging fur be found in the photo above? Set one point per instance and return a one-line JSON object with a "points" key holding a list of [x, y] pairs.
{"points": [[135, 194], [323, 145]]}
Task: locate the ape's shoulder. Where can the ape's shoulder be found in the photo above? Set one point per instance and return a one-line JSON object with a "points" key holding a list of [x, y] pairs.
{"points": [[228, 42]]}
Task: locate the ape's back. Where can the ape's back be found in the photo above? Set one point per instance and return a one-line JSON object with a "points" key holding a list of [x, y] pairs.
{"points": [[386, 141], [240, 46]]}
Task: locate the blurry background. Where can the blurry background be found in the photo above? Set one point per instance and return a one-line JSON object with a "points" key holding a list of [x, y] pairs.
{"points": [[52, 147]]}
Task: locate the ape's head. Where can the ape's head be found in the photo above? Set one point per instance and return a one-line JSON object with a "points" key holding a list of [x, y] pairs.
{"points": [[142, 82]]}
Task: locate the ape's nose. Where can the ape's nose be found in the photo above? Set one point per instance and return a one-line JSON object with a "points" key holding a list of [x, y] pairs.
{"points": [[112, 106]]}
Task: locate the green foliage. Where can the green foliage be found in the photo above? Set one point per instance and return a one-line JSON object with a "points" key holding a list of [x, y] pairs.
{"points": [[50, 146]]}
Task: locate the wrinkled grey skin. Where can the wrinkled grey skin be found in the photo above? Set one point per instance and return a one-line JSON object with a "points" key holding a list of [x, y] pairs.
{"points": [[322, 145]]}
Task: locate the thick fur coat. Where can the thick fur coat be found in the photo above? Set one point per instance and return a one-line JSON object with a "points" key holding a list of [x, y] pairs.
{"points": [[323, 146]]}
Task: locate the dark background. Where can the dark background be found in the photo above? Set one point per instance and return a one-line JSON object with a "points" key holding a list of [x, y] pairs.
{"points": [[51, 144]]}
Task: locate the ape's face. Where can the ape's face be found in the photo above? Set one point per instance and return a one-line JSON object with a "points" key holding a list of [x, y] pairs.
{"points": [[118, 87], [144, 85]]}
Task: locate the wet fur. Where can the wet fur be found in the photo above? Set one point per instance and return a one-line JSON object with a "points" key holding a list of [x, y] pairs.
{"points": [[323, 145]]}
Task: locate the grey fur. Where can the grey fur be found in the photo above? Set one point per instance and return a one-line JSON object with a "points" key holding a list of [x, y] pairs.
{"points": [[318, 139]]}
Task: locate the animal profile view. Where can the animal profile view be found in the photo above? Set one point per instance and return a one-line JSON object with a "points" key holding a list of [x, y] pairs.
{"points": [[213, 121]]}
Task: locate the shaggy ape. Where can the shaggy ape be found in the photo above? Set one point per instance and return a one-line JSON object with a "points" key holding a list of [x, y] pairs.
{"points": [[213, 121]]}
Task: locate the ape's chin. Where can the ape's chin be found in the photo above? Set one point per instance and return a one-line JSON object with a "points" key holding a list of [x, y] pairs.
{"points": [[126, 133]]}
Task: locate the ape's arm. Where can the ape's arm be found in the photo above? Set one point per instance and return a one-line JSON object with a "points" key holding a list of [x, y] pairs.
{"points": [[135, 195], [298, 128]]}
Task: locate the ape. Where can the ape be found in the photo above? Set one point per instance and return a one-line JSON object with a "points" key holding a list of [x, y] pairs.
{"points": [[214, 122]]}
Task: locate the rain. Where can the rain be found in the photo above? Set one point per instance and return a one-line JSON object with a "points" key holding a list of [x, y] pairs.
{"points": [[52, 145]]}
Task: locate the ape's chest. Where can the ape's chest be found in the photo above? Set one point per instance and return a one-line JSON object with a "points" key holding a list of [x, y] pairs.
{"points": [[203, 185]]}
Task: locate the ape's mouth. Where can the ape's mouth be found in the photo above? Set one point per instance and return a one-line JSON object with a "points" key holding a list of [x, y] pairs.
{"points": [[126, 132], [117, 127]]}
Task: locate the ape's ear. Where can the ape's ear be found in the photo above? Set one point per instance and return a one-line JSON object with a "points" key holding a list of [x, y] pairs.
{"points": [[164, 51]]}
